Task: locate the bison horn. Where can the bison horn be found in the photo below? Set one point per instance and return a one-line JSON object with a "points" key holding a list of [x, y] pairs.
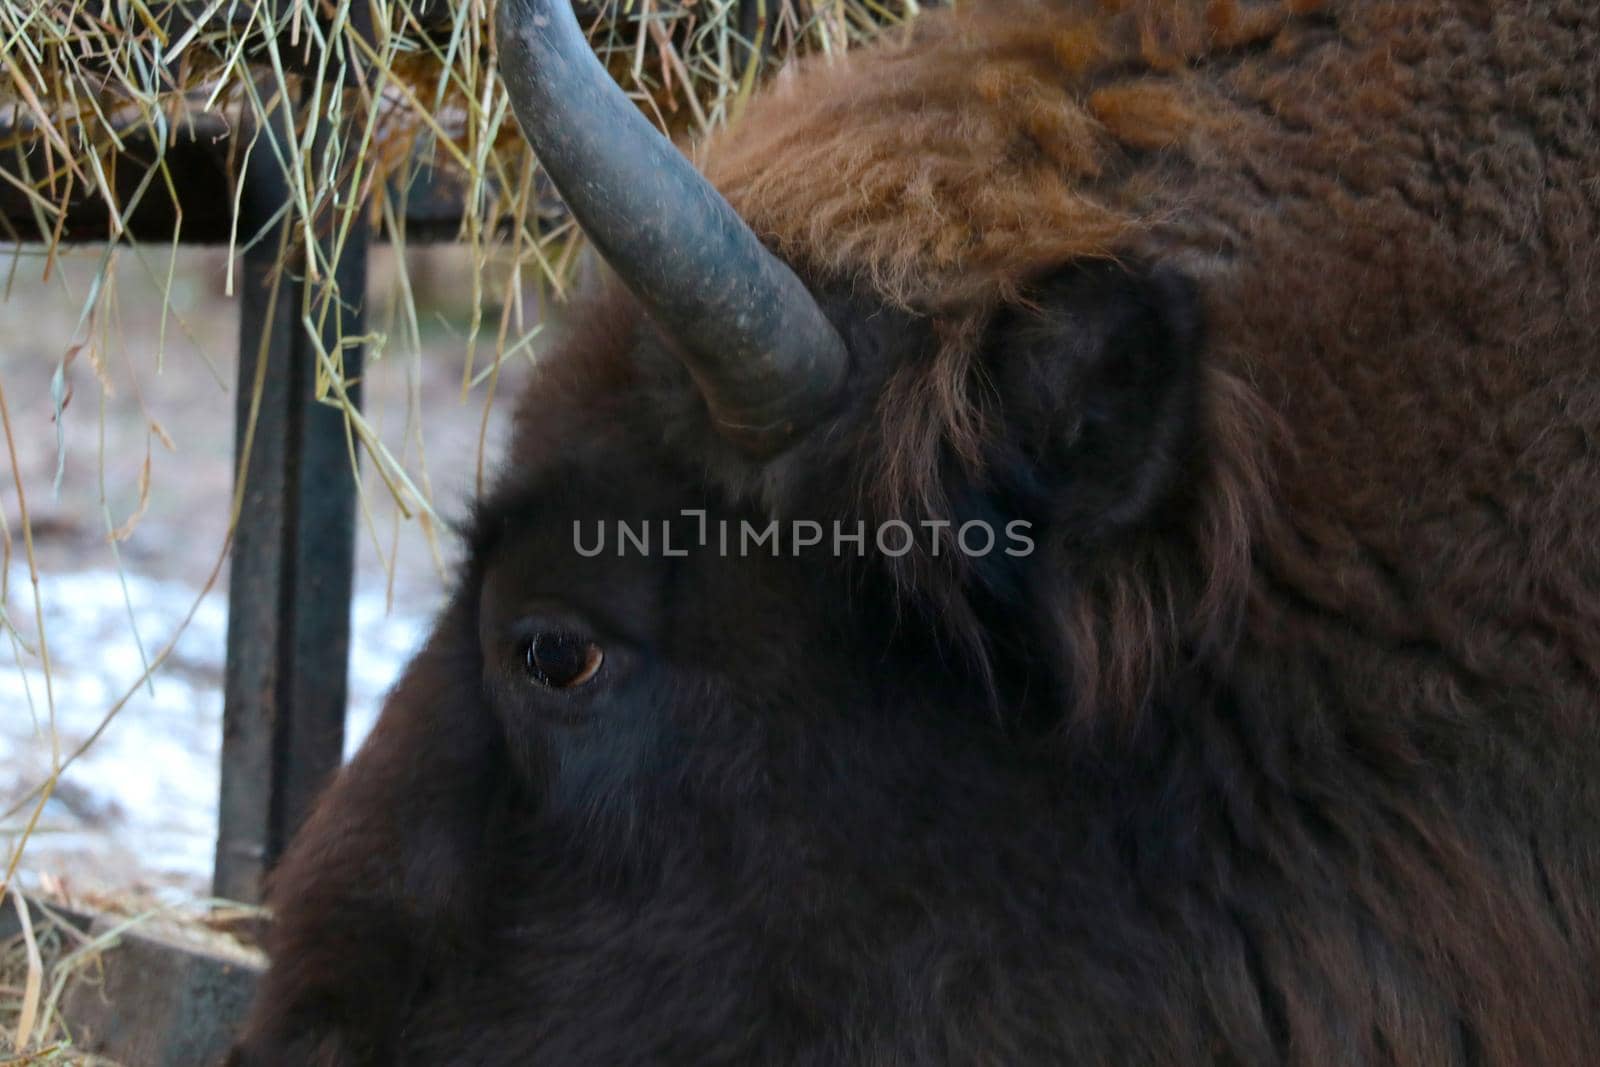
{"points": [[766, 359]]}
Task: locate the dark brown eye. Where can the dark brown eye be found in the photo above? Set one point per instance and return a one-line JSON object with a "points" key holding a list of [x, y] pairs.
{"points": [[562, 660]]}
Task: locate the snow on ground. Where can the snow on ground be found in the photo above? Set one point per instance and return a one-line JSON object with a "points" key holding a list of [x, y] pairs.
{"points": [[143, 798], [139, 809]]}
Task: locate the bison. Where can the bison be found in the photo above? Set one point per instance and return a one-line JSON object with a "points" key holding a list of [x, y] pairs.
{"points": [[1258, 342]]}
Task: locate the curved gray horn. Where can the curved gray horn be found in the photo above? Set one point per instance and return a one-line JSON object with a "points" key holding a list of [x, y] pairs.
{"points": [[764, 356]]}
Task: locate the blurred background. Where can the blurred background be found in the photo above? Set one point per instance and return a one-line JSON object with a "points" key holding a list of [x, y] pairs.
{"points": [[130, 492]]}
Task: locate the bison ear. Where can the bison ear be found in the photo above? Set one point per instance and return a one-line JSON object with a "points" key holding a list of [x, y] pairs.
{"points": [[1096, 377]]}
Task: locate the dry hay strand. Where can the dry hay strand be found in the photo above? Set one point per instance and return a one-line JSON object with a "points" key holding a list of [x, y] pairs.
{"points": [[50, 954]]}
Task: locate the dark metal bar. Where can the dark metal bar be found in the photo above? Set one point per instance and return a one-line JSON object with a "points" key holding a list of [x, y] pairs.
{"points": [[322, 577], [250, 687], [293, 551], [196, 157], [198, 160]]}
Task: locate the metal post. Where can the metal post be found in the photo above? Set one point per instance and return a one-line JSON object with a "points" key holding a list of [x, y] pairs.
{"points": [[293, 550]]}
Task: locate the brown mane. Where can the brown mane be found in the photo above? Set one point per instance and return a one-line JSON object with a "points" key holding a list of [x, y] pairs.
{"points": [[1300, 160], [944, 174], [984, 148]]}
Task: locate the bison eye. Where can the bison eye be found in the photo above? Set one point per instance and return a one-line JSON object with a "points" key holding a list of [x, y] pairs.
{"points": [[562, 660]]}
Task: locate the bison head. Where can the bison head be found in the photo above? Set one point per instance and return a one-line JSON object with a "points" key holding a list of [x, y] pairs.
{"points": [[861, 656], [983, 486]]}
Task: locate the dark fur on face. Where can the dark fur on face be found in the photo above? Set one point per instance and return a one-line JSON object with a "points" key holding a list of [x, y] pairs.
{"points": [[1279, 747]]}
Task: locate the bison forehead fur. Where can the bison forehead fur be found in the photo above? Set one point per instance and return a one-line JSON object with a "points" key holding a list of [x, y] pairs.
{"points": [[1276, 326]]}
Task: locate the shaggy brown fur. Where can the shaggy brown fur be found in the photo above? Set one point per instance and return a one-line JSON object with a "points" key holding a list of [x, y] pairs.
{"points": [[1387, 204], [1394, 214], [1293, 752], [1396, 219]]}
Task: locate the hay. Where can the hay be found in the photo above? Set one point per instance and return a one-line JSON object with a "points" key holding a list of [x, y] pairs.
{"points": [[382, 93], [52, 954], [35, 969]]}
